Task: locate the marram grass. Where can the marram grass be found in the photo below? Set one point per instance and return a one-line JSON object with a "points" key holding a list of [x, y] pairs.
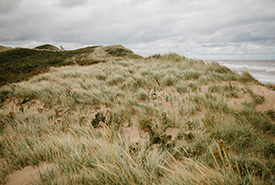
{"points": [[75, 119]]}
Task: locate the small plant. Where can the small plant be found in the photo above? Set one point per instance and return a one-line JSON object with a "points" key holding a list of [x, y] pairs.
{"points": [[101, 118], [102, 77], [214, 133], [232, 94], [156, 137], [2, 126], [208, 120], [189, 136], [58, 112], [271, 114], [81, 120], [257, 99], [181, 89], [69, 91], [194, 109], [143, 95], [192, 124], [247, 77], [210, 96], [192, 86], [134, 148], [165, 119], [181, 109], [219, 154], [169, 80], [4, 94], [146, 124], [163, 139], [115, 80], [191, 75], [269, 149], [214, 88]]}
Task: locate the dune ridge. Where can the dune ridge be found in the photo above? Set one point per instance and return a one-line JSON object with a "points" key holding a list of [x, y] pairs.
{"points": [[163, 119]]}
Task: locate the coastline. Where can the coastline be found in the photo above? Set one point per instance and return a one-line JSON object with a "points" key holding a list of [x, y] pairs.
{"points": [[262, 70]]}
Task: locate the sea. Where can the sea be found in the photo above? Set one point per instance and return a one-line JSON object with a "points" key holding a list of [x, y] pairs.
{"points": [[262, 70]]}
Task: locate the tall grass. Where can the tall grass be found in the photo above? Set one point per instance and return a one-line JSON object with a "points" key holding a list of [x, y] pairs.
{"points": [[74, 118]]}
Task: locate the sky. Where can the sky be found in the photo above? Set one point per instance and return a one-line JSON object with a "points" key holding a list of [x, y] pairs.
{"points": [[200, 29]]}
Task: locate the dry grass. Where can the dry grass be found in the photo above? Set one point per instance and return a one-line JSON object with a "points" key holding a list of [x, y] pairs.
{"points": [[84, 119]]}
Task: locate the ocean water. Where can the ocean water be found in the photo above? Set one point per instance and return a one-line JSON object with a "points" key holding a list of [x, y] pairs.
{"points": [[262, 70]]}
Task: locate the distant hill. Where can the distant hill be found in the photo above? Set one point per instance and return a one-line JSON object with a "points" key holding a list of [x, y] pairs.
{"points": [[4, 48], [48, 47], [17, 64]]}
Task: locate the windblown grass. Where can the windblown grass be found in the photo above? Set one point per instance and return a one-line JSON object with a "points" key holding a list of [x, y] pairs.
{"points": [[77, 118], [19, 64]]}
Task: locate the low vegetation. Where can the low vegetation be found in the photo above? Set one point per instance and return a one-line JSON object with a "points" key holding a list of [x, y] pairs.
{"points": [[47, 47], [19, 64], [163, 119]]}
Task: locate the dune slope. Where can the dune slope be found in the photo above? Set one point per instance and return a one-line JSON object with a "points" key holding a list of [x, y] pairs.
{"points": [[156, 120]]}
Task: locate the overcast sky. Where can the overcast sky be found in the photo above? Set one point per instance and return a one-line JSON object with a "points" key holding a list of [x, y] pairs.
{"points": [[202, 29]]}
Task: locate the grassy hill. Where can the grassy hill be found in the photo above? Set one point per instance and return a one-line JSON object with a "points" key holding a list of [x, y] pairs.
{"points": [[48, 47], [163, 119], [19, 64], [3, 48]]}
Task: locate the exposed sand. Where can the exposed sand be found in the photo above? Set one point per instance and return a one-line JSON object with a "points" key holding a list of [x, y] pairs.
{"points": [[33, 106], [133, 134], [27, 174], [269, 95]]}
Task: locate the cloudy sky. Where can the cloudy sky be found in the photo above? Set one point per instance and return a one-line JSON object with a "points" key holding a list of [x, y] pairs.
{"points": [[202, 29]]}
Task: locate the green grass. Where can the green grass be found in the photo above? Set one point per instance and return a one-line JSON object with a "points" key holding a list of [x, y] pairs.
{"points": [[47, 47], [21, 63], [76, 119]]}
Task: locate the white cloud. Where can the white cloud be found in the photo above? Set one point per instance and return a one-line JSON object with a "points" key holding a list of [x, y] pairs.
{"points": [[200, 28]]}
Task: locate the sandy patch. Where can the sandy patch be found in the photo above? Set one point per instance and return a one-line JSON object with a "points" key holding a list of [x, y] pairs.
{"points": [[269, 95], [237, 102], [11, 104], [168, 98], [269, 103], [32, 106], [99, 54], [27, 174], [133, 133], [172, 131]]}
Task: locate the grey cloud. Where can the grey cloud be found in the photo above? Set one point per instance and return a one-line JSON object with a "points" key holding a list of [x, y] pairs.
{"points": [[199, 28], [71, 3], [8, 6]]}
